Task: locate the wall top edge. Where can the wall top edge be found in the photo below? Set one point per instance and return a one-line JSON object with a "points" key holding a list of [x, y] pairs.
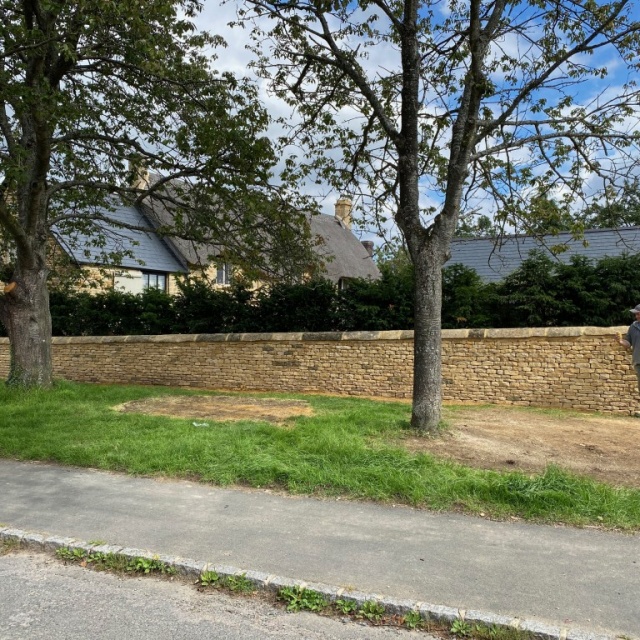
{"points": [[447, 334]]}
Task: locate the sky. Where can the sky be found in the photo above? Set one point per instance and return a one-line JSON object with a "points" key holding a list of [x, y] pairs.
{"points": [[216, 18], [236, 58]]}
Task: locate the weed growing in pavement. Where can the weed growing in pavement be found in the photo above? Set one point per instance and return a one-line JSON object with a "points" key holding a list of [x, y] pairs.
{"points": [[149, 565], [106, 561], [209, 579], [299, 599], [73, 555], [238, 584], [7, 546], [372, 611], [114, 562], [346, 607], [493, 632], [461, 628], [412, 620], [235, 584]]}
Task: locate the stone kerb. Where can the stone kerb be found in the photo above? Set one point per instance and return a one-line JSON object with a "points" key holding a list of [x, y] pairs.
{"points": [[570, 367]]}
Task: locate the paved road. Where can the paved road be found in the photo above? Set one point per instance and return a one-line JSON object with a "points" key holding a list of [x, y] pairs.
{"points": [[41, 598], [558, 574]]}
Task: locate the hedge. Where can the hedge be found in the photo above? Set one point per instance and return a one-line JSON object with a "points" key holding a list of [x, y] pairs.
{"points": [[542, 292]]}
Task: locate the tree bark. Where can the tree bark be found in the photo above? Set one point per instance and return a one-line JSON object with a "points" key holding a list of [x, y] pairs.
{"points": [[427, 351], [427, 292], [24, 311]]}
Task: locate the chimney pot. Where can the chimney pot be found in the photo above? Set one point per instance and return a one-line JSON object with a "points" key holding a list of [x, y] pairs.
{"points": [[368, 245]]}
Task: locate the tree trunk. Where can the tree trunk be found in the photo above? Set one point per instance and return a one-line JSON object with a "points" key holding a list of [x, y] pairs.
{"points": [[24, 311], [427, 349]]}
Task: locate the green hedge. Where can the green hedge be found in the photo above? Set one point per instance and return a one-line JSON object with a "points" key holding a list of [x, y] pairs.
{"points": [[542, 292]]}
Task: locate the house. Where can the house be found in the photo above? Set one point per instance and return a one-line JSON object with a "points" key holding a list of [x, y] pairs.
{"points": [[494, 259], [144, 258], [150, 260]]}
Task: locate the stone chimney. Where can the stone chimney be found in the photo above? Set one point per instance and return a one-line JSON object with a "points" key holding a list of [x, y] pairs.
{"points": [[343, 211], [140, 176], [368, 245]]}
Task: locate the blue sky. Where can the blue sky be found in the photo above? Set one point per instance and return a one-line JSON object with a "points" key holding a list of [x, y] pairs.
{"points": [[235, 57]]}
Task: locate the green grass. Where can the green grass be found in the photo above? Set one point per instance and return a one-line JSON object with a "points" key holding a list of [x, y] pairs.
{"points": [[349, 448]]}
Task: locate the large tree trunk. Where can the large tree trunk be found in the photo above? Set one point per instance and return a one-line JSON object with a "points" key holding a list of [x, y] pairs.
{"points": [[427, 350], [24, 311]]}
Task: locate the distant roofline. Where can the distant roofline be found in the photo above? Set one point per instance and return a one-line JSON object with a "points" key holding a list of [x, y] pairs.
{"points": [[518, 236]]}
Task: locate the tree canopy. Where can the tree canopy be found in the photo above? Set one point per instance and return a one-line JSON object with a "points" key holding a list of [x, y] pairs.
{"points": [[92, 93], [611, 209], [615, 209]]}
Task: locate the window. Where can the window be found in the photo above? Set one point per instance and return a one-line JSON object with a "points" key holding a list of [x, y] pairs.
{"points": [[223, 274], [154, 281], [128, 280]]}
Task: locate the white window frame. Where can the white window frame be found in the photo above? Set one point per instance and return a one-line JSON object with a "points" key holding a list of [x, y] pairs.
{"points": [[223, 273]]}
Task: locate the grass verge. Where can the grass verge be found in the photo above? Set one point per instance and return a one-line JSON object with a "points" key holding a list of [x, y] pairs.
{"points": [[348, 448]]}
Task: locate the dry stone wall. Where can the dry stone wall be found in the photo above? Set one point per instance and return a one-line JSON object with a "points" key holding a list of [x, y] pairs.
{"points": [[579, 368]]}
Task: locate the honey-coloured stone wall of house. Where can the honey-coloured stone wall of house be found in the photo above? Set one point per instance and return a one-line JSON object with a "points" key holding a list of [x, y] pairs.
{"points": [[575, 368]]}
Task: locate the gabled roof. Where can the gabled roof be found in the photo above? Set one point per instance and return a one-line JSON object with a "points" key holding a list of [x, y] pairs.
{"points": [[193, 253], [148, 251], [342, 253], [494, 259]]}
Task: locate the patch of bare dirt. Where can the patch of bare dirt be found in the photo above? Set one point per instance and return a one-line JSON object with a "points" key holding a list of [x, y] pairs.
{"points": [[219, 408], [606, 449]]}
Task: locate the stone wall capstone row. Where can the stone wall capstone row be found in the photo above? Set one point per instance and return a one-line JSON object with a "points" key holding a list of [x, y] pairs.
{"points": [[568, 367]]}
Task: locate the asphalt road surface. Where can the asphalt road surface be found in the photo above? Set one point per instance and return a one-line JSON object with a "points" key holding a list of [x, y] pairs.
{"points": [[42, 598]]}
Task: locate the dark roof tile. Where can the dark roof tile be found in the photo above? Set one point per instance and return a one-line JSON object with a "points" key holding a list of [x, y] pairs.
{"points": [[149, 252], [494, 259]]}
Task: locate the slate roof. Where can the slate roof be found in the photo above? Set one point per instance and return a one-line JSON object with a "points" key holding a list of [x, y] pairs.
{"points": [[149, 251], [193, 253], [494, 261]]}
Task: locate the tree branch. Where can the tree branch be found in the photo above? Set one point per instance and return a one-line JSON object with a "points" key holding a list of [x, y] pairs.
{"points": [[540, 137], [582, 47]]}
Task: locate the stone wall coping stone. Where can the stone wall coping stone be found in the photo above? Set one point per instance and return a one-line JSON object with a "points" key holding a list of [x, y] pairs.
{"points": [[335, 336], [604, 331], [175, 337], [455, 334], [529, 332], [565, 332]]}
